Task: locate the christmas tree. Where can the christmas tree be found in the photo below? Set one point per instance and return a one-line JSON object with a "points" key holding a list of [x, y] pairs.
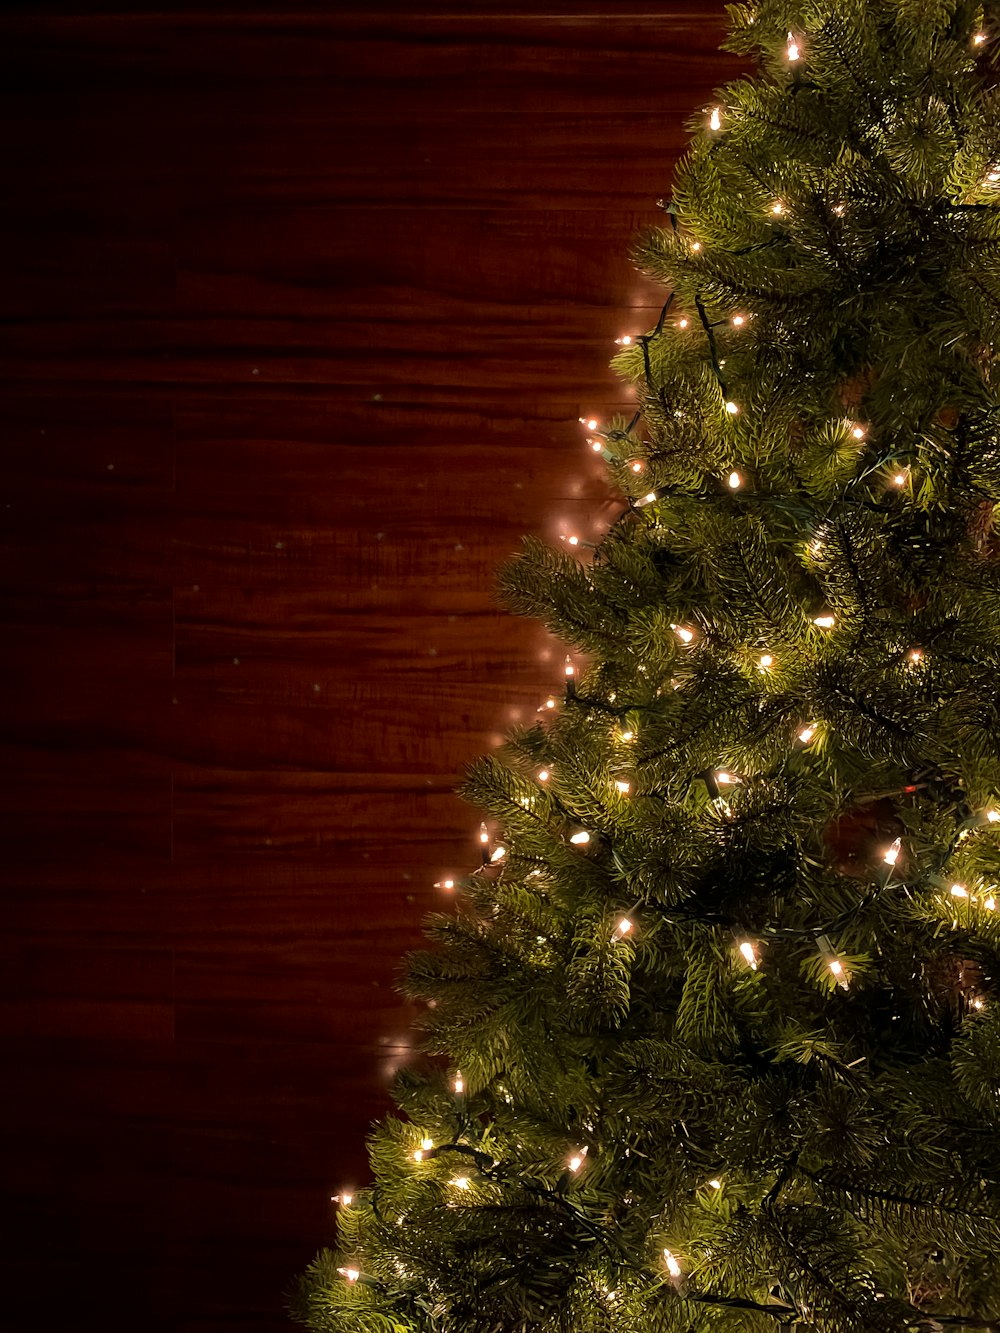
{"points": [[718, 1018]]}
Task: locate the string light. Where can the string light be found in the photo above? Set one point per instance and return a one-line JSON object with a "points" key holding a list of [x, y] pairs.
{"points": [[732, 408], [576, 1161], [839, 209], [345, 1198], [915, 655], [735, 481], [673, 1267], [978, 38], [628, 735], [352, 1274], [793, 48], [591, 424], [807, 733], [569, 668], [682, 323], [498, 853], [777, 208], [716, 1184], [625, 340], [747, 950], [993, 816], [725, 779], [458, 1086], [899, 479], [683, 633], [766, 661], [738, 321], [624, 926], [891, 855], [715, 119], [596, 445], [977, 1003], [959, 891], [990, 903], [543, 775], [461, 1182], [647, 499], [571, 541], [825, 621], [444, 884], [580, 838], [549, 703], [695, 246], [636, 466]]}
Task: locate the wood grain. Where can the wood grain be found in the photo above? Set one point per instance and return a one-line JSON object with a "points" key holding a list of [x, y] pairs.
{"points": [[299, 314]]}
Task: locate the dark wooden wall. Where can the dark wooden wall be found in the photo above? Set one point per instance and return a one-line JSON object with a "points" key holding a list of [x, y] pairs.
{"points": [[300, 310]]}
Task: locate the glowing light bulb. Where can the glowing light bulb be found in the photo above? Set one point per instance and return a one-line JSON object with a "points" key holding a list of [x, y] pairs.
{"points": [[569, 667], [683, 633], [484, 834], [636, 466], [444, 884], [993, 177], [461, 1182], [858, 432], [978, 38], [824, 621], [596, 445], [806, 734], [624, 926], [739, 321], [792, 51], [839, 209], [352, 1274], [993, 816], [418, 1156], [623, 787], [427, 1144], [628, 735], [550, 703], [959, 891], [543, 775], [990, 903], [572, 541], [580, 838], [716, 1184], [590, 423], [747, 950], [766, 660], [915, 655], [576, 1161], [735, 481], [648, 499], [345, 1197], [498, 853], [899, 479], [891, 854], [715, 119], [977, 1003], [682, 323], [836, 967], [458, 1086], [673, 1267], [732, 408], [695, 246], [777, 208], [625, 340], [725, 779]]}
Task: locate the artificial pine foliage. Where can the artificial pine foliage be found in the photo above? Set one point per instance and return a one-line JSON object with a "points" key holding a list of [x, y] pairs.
{"points": [[721, 1027]]}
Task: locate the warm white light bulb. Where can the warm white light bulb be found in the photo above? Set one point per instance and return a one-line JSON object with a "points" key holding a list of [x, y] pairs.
{"points": [[461, 1182], [352, 1274], [977, 1003], [484, 834], [418, 1156], [543, 775], [891, 854], [777, 208], [570, 671], [836, 967], [915, 655], [990, 903], [695, 246], [625, 340], [673, 1267], [459, 1084], [858, 432], [682, 323], [580, 838], [550, 703], [978, 38], [806, 734], [739, 321], [623, 787], [685, 635], [899, 479], [596, 445], [747, 950], [716, 1184], [345, 1197], [628, 735], [959, 891], [444, 884], [590, 423], [725, 779], [793, 48], [839, 209], [648, 499], [766, 660], [824, 621], [735, 481], [498, 853], [732, 408], [636, 466], [427, 1144], [715, 119], [624, 926], [993, 816]]}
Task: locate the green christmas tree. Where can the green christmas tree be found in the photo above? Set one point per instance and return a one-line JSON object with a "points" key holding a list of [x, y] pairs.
{"points": [[719, 1017]]}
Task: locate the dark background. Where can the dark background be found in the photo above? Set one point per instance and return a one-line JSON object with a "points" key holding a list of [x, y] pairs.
{"points": [[299, 313]]}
